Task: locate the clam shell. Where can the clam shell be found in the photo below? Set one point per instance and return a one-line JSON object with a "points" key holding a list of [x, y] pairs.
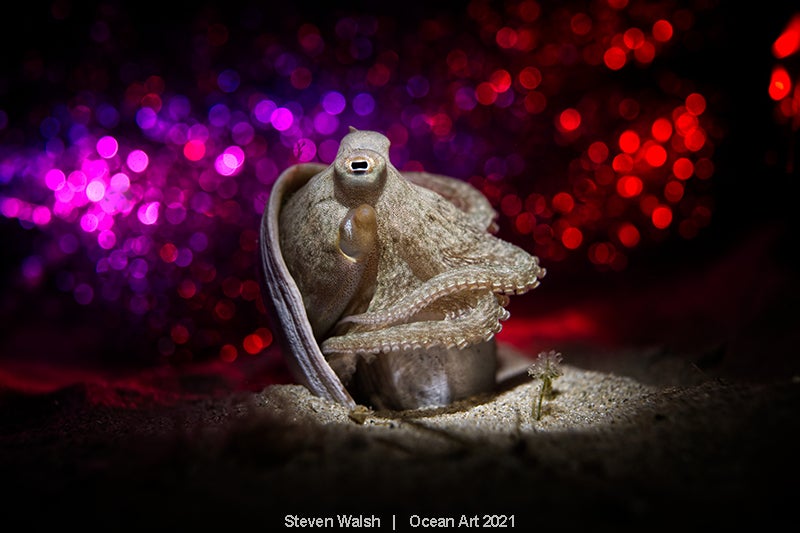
{"points": [[284, 301]]}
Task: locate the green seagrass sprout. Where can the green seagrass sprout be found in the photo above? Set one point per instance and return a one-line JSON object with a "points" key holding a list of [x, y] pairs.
{"points": [[547, 367]]}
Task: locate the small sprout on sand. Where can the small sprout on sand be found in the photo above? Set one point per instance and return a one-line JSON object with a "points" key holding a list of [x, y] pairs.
{"points": [[547, 367]]}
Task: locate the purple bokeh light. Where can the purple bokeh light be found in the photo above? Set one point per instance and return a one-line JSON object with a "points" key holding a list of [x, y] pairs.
{"points": [[281, 119]]}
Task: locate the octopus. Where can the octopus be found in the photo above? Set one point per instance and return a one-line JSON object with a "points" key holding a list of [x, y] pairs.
{"points": [[396, 279]]}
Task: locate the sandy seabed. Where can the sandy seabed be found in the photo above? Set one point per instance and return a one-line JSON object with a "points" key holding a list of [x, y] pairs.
{"points": [[610, 452]]}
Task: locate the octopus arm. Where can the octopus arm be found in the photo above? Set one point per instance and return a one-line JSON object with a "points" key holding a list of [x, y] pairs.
{"points": [[474, 323], [497, 279]]}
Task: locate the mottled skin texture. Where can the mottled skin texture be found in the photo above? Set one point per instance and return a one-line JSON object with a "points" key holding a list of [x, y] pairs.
{"points": [[390, 268]]}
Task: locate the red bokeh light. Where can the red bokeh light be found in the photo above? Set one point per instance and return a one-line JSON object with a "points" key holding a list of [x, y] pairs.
{"points": [[683, 168], [506, 37], [598, 151], [601, 253], [225, 309], [252, 344], [655, 155], [529, 10], [485, 93], [194, 150], [695, 140], [500, 80], [530, 77], [563, 202], [228, 353], [615, 58], [179, 334], [187, 289], [633, 38], [168, 252], [780, 84], [511, 205], [535, 102], [250, 290], [629, 186], [673, 191], [629, 141], [661, 216], [788, 42], [622, 163], [628, 235], [662, 30], [570, 119], [379, 75], [153, 101], [695, 103], [525, 222], [572, 238], [661, 129], [685, 122], [581, 24]]}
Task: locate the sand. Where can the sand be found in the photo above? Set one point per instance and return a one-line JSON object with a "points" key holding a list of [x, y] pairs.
{"points": [[610, 452]]}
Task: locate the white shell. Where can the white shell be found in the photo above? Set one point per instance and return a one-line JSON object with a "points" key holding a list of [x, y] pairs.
{"points": [[305, 360]]}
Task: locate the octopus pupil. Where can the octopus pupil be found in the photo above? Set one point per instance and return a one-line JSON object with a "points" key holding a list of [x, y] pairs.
{"points": [[359, 166]]}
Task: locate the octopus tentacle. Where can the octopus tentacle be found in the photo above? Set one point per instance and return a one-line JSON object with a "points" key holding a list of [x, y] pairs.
{"points": [[497, 279], [477, 322]]}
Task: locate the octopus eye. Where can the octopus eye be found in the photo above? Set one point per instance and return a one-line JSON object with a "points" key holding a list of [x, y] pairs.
{"points": [[360, 177]]}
